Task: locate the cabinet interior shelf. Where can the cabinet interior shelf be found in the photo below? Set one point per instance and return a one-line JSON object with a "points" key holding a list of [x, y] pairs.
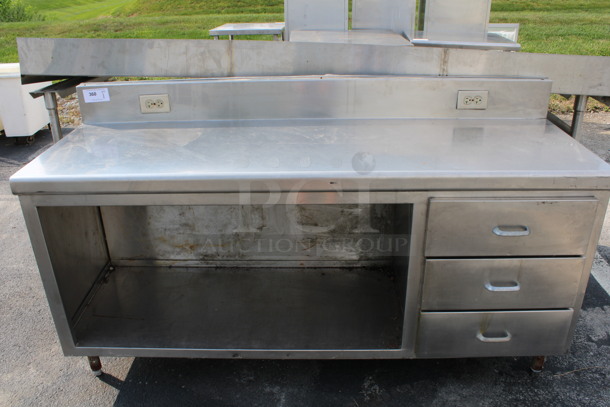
{"points": [[239, 308]]}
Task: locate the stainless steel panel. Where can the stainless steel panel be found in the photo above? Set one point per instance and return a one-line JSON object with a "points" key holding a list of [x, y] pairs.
{"points": [[75, 241], [492, 42], [590, 255], [274, 309], [456, 20], [510, 333], [370, 37], [114, 351], [415, 272], [43, 259], [489, 284], [335, 97], [254, 233], [311, 155], [300, 197], [571, 74], [509, 227], [393, 15], [315, 15]]}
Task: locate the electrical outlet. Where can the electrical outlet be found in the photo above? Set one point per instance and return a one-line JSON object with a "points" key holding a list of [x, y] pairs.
{"points": [[472, 99], [154, 103]]}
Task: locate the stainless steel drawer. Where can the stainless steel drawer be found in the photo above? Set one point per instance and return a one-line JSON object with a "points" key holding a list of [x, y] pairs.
{"points": [[488, 284], [500, 333], [509, 227]]}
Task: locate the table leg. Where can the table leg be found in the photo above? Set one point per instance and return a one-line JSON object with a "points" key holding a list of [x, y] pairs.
{"points": [[580, 107], [50, 101]]}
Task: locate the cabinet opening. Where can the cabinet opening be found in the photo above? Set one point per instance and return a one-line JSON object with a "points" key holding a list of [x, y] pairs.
{"points": [[312, 277]]}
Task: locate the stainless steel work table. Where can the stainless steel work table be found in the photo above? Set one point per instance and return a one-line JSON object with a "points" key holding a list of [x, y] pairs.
{"points": [[315, 217], [341, 195]]}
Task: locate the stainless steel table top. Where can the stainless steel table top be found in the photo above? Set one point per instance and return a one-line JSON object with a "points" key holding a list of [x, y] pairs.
{"points": [[366, 37], [315, 155], [248, 29]]}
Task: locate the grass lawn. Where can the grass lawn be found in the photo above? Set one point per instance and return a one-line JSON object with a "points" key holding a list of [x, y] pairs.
{"points": [[580, 27], [550, 26], [183, 27], [71, 10]]}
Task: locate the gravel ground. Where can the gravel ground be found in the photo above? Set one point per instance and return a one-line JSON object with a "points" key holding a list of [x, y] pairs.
{"points": [[69, 112], [34, 372]]}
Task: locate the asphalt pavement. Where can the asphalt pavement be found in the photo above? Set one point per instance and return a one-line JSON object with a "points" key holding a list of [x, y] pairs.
{"points": [[34, 372]]}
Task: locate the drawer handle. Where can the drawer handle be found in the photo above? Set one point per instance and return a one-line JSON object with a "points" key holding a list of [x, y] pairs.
{"points": [[511, 231], [514, 286], [494, 339]]}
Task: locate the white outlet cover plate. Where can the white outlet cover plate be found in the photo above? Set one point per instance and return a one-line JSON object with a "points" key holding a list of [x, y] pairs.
{"points": [[154, 103], [472, 99]]}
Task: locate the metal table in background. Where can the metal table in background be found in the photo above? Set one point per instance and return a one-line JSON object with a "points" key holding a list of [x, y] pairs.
{"points": [[232, 29]]}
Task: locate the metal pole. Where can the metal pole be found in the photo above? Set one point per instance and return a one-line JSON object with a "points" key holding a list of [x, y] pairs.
{"points": [[580, 106], [50, 101]]}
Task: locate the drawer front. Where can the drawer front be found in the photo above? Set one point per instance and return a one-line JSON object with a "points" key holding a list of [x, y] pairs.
{"points": [[488, 284], [509, 227], [510, 333]]}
